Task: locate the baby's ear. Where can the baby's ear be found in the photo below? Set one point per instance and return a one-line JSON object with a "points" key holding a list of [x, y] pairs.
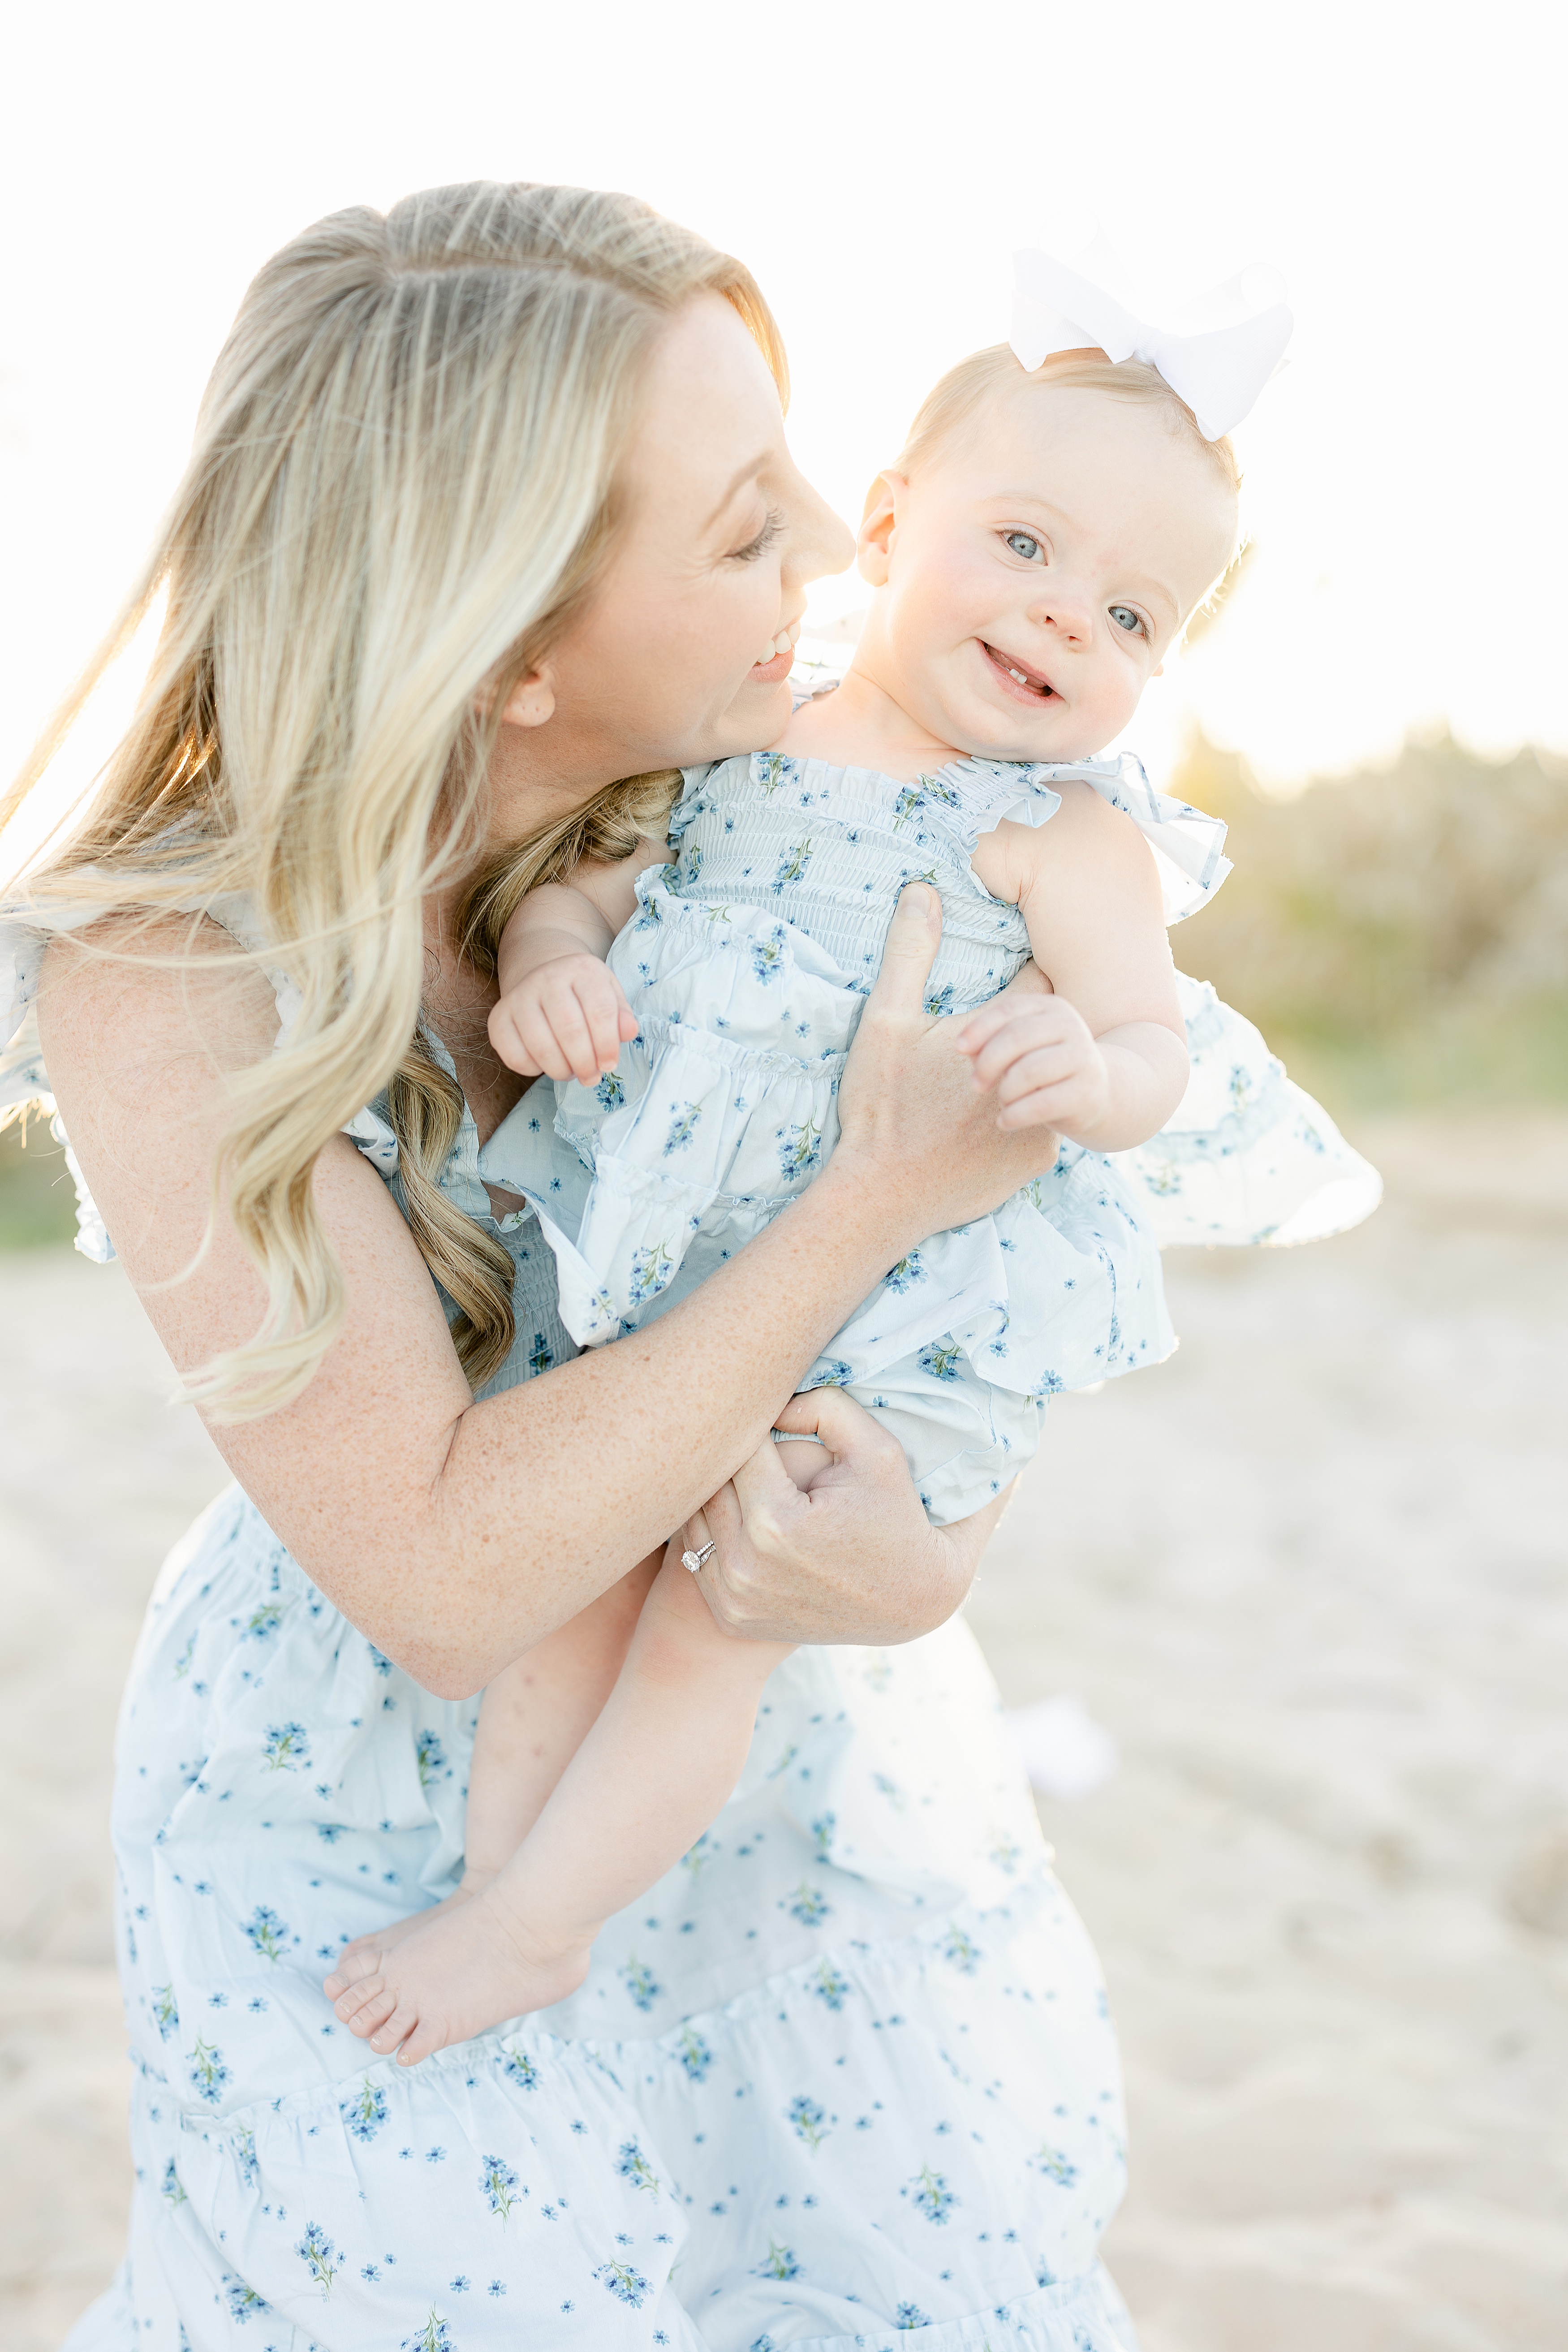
{"points": [[879, 526]]}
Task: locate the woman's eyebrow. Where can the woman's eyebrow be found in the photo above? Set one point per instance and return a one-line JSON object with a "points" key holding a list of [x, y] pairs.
{"points": [[744, 473]]}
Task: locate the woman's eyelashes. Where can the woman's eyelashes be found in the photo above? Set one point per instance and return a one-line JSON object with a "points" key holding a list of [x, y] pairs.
{"points": [[765, 539]]}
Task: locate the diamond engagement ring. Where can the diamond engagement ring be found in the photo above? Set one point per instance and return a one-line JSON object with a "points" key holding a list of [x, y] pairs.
{"points": [[694, 1560]]}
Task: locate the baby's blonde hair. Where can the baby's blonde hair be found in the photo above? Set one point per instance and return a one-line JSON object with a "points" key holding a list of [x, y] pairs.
{"points": [[403, 489], [952, 404]]}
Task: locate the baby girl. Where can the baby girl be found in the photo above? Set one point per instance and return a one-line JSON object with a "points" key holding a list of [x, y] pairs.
{"points": [[1033, 555]]}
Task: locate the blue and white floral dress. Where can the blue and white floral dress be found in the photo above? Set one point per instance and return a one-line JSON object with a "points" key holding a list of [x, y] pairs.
{"points": [[747, 965], [844, 2080]]}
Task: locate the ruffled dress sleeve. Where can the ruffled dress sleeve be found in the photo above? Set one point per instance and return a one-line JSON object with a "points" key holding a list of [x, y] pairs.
{"points": [[1188, 847], [1249, 1160]]}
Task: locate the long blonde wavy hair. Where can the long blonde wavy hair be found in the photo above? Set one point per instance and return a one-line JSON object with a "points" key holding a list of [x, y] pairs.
{"points": [[402, 488]]}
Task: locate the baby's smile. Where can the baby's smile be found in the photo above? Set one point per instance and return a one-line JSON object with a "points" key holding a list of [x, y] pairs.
{"points": [[1031, 685]]}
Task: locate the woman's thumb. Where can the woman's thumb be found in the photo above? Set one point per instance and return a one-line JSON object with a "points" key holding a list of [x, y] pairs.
{"points": [[913, 936]]}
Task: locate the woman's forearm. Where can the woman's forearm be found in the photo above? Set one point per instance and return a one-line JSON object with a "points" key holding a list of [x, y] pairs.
{"points": [[551, 1490], [453, 1534]]}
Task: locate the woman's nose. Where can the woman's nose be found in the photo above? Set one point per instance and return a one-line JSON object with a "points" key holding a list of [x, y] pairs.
{"points": [[819, 541]]}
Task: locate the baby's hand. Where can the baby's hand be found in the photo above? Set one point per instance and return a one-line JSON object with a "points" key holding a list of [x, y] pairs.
{"points": [[567, 1019], [1044, 1063]]}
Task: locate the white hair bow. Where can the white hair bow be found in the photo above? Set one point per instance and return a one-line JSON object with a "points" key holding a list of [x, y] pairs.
{"points": [[1218, 371]]}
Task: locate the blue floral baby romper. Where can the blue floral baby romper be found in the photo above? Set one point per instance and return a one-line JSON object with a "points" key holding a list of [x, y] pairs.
{"points": [[843, 2081], [747, 966]]}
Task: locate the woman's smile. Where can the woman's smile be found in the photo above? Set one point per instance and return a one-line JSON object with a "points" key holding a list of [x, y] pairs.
{"points": [[776, 664]]}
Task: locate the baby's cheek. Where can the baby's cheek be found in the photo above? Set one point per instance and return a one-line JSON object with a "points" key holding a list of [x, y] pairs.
{"points": [[1116, 696]]}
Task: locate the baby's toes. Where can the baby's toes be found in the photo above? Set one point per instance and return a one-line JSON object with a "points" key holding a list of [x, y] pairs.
{"points": [[405, 2017], [353, 1968], [428, 2035], [363, 2007]]}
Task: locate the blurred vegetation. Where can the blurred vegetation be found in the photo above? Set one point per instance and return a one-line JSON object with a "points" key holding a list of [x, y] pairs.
{"points": [[37, 1198], [1399, 935]]}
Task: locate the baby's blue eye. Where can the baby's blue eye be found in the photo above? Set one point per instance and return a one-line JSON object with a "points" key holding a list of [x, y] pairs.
{"points": [[1023, 543], [1126, 618]]}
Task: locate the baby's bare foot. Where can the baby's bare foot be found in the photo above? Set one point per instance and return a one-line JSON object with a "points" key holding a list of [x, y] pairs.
{"points": [[464, 1967], [382, 1939]]}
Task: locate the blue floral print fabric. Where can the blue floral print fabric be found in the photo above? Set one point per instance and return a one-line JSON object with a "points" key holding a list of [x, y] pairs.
{"points": [[748, 965], [844, 2079]]}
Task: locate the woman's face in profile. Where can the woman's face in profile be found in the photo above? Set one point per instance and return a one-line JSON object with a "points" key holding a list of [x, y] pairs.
{"points": [[685, 651]]}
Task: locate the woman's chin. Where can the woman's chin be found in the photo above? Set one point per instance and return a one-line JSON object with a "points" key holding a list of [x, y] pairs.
{"points": [[758, 716]]}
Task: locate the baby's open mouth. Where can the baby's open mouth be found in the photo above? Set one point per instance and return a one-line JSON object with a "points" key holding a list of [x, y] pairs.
{"points": [[1019, 676]]}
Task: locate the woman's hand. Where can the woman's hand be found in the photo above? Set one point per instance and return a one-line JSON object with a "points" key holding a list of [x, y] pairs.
{"points": [[852, 1558], [911, 1122]]}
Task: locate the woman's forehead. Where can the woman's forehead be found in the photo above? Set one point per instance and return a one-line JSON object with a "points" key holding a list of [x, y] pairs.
{"points": [[707, 409]]}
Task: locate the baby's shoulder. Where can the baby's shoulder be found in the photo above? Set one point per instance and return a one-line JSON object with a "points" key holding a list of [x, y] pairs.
{"points": [[1087, 842]]}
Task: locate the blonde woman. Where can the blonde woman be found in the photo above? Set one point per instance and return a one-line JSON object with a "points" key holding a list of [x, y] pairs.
{"points": [[491, 507]]}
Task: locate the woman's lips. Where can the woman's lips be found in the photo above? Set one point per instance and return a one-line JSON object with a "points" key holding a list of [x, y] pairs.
{"points": [[772, 673], [1026, 685]]}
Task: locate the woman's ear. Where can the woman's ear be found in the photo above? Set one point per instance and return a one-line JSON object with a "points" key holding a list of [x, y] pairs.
{"points": [[531, 701], [879, 527]]}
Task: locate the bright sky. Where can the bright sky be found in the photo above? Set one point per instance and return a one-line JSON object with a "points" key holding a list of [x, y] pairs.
{"points": [[876, 164]]}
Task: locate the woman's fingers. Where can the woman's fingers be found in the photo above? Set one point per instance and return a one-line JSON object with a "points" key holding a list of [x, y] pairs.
{"points": [[908, 952], [846, 1428]]}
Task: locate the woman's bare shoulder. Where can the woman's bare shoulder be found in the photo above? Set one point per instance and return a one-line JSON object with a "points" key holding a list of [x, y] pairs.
{"points": [[128, 997]]}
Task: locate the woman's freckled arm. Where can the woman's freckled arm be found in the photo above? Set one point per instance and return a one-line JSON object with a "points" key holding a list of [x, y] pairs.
{"points": [[453, 1533]]}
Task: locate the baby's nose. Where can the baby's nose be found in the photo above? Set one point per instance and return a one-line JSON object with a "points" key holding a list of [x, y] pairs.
{"points": [[1069, 614]]}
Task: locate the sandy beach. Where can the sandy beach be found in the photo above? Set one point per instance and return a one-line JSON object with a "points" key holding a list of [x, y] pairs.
{"points": [[1313, 1577]]}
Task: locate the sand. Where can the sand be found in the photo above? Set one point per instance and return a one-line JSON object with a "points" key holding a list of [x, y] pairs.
{"points": [[1311, 1577]]}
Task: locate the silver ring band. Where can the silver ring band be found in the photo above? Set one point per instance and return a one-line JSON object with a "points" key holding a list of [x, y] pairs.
{"points": [[694, 1560]]}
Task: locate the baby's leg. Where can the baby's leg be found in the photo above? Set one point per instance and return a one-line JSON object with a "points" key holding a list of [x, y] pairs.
{"points": [[653, 1771], [536, 1715], [532, 1718]]}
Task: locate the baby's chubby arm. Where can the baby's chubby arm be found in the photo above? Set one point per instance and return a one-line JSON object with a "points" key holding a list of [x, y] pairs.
{"points": [[1104, 1061], [562, 1012]]}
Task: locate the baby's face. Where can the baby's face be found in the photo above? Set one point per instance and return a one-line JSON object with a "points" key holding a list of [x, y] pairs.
{"points": [[1037, 568]]}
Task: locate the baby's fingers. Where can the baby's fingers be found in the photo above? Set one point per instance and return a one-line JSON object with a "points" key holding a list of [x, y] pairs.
{"points": [[1047, 1106], [1056, 1063], [1027, 1033], [508, 1042], [603, 1006], [570, 1025], [983, 1025]]}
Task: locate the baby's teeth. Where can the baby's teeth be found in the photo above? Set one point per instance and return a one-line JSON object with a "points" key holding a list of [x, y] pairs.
{"points": [[1019, 676]]}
